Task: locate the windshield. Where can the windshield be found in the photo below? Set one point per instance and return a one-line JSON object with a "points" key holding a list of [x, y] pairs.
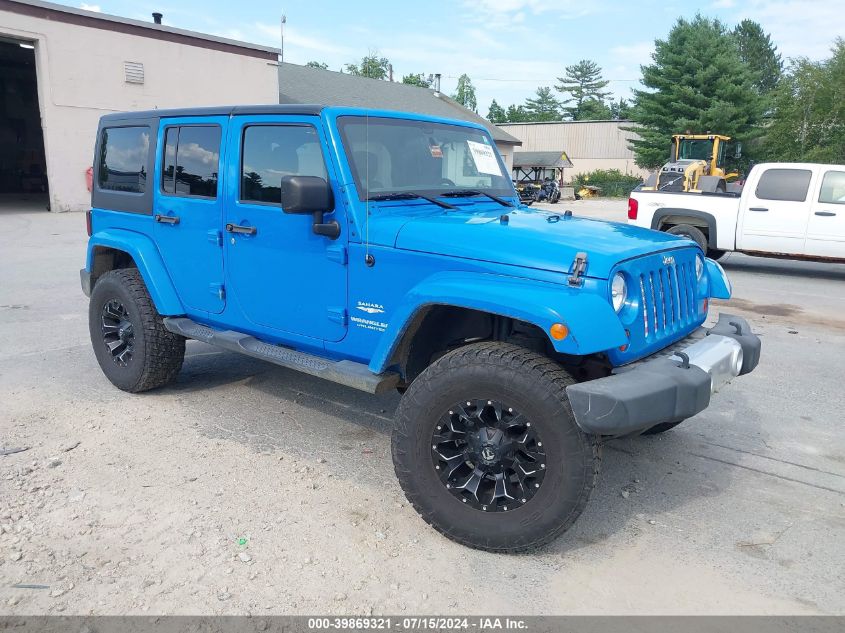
{"points": [[398, 155], [695, 149]]}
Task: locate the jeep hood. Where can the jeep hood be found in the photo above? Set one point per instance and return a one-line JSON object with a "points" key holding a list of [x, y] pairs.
{"points": [[532, 239]]}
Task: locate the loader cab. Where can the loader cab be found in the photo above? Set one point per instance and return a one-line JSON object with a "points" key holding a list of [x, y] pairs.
{"points": [[716, 150]]}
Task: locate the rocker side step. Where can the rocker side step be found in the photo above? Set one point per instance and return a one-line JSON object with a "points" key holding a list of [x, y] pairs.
{"points": [[344, 372]]}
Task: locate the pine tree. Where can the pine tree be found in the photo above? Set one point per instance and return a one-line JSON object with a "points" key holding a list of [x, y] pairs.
{"points": [[698, 82], [496, 113], [516, 114], [620, 110], [543, 107], [582, 82], [594, 110], [758, 52], [465, 94]]}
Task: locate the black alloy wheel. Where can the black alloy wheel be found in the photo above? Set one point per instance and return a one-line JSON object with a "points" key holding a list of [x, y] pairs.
{"points": [[118, 332]]}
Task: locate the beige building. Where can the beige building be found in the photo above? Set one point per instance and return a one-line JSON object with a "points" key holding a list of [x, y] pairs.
{"points": [[588, 144], [62, 68]]}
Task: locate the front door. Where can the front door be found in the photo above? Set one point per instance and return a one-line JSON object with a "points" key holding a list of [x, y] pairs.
{"points": [[826, 229], [283, 276], [776, 212], [188, 209]]}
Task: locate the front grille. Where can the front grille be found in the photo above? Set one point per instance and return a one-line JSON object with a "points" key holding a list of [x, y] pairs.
{"points": [[667, 297]]}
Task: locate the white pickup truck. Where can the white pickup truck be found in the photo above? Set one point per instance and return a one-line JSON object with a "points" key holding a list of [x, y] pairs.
{"points": [[784, 209]]}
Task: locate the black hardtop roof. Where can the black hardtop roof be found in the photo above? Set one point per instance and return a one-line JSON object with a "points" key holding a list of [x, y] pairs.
{"points": [[302, 109]]}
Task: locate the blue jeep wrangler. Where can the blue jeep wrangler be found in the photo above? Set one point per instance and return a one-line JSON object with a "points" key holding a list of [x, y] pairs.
{"points": [[385, 251]]}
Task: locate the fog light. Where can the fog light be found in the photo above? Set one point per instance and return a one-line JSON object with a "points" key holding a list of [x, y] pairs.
{"points": [[559, 331]]}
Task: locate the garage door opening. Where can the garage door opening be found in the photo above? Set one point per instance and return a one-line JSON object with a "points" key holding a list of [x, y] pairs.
{"points": [[23, 168]]}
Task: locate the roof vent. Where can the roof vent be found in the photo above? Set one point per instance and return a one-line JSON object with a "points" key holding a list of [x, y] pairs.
{"points": [[157, 17], [133, 72]]}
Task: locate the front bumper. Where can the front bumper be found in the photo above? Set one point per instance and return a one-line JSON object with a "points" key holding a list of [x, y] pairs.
{"points": [[670, 386]]}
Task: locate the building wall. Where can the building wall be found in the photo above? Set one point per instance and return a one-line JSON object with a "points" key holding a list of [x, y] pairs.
{"points": [[588, 144], [506, 151], [81, 77]]}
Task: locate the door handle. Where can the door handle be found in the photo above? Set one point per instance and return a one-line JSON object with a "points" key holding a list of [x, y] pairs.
{"points": [[758, 209], [167, 219], [243, 230], [826, 214]]}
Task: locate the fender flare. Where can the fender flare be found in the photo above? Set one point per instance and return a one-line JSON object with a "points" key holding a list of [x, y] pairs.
{"points": [[593, 325], [701, 215], [149, 262]]}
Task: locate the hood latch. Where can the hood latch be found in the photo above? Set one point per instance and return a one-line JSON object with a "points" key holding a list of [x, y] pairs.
{"points": [[578, 268]]}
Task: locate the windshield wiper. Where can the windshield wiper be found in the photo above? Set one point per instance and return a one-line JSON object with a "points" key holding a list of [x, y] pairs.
{"points": [[463, 193], [409, 195]]}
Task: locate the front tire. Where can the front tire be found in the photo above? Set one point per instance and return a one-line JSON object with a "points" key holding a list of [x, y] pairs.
{"points": [[132, 346], [487, 450]]}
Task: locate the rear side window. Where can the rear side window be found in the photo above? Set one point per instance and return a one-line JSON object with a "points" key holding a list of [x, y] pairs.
{"points": [[191, 161], [273, 151], [833, 188], [789, 185], [123, 159]]}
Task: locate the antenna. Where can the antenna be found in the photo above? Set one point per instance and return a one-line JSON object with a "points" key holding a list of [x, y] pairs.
{"points": [[282, 47]]}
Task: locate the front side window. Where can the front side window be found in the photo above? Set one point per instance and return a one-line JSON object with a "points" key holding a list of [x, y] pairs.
{"points": [[833, 188], [404, 156], [787, 185], [191, 161], [273, 151], [123, 159]]}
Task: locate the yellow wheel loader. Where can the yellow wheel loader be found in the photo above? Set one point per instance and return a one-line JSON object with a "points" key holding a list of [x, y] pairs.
{"points": [[696, 164]]}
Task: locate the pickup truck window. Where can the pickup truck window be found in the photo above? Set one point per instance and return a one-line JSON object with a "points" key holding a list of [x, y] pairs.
{"points": [[123, 159], [833, 188], [273, 151], [784, 184], [191, 161], [398, 155]]}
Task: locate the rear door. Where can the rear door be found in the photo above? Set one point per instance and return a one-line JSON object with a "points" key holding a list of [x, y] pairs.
{"points": [[188, 208], [826, 228], [776, 211]]}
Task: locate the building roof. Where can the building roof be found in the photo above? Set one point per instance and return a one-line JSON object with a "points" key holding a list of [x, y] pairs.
{"points": [[541, 159], [95, 19], [303, 84]]}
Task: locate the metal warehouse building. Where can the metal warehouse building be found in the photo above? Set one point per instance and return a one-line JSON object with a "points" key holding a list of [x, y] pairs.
{"points": [[62, 68], [588, 144]]}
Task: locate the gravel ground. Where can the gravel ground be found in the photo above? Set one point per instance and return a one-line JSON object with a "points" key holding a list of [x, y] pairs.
{"points": [[247, 488]]}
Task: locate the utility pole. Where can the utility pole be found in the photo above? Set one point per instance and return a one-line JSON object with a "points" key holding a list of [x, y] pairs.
{"points": [[282, 47]]}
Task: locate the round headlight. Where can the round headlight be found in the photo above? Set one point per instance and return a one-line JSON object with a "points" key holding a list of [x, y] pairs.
{"points": [[699, 266], [619, 291]]}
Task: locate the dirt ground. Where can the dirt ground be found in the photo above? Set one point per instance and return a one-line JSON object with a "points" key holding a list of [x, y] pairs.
{"points": [[247, 488]]}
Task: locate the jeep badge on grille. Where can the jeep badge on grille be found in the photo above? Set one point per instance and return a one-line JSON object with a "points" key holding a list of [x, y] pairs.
{"points": [[668, 260]]}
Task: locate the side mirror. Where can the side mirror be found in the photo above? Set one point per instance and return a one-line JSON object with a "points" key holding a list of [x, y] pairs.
{"points": [[310, 194]]}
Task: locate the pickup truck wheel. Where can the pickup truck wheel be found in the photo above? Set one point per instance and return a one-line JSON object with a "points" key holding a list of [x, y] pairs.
{"points": [[132, 346], [691, 233], [487, 450], [661, 428]]}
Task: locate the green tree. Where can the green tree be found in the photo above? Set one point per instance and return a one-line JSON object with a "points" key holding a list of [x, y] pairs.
{"points": [[620, 110], [758, 52], [698, 83], [582, 82], [543, 107], [319, 65], [516, 114], [496, 113], [465, 94], [417, 79], [371, 66], [808, 117], [594, 110]]}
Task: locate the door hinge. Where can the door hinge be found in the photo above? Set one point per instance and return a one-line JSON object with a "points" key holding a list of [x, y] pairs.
{"points": [[337, 253], [218, 290], [579, 266], [215, 237], [337, 315]]}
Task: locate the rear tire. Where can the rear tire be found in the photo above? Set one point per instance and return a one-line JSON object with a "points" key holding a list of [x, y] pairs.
{"points": [[132, 346], [546, 465], [691, 233]]}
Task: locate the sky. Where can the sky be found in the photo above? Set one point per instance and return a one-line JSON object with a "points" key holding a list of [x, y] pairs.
{"points": [[507, 47]]}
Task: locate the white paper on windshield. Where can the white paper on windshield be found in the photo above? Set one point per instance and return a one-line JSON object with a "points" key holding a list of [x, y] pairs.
{"points": [[484, 158]]}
